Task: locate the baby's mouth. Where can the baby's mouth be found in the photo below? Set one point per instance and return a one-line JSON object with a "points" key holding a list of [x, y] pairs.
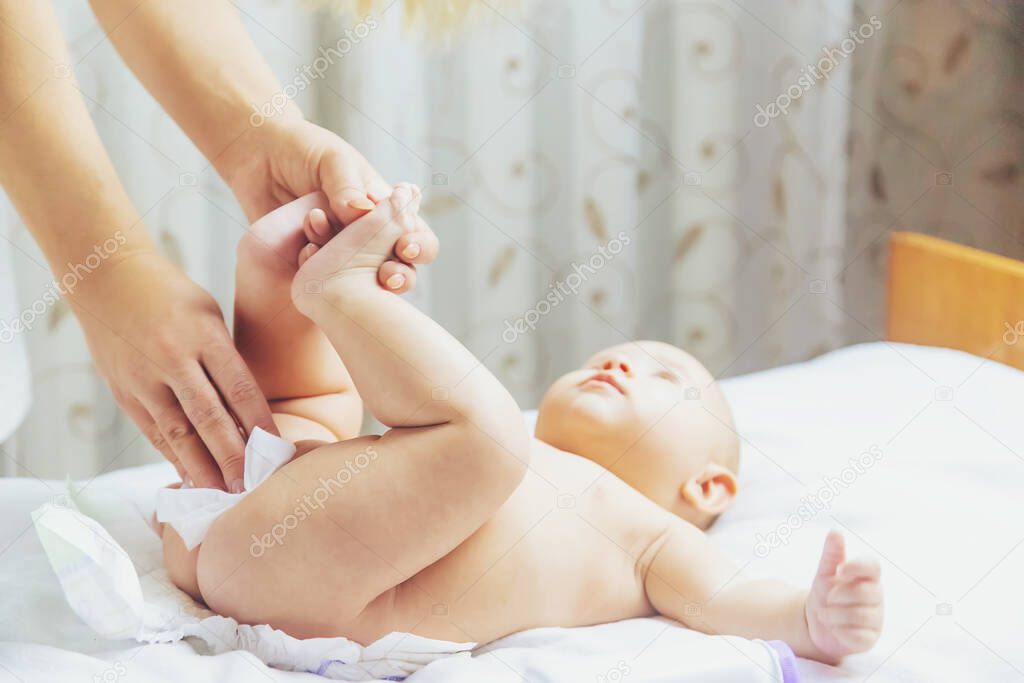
{"points": [[608, 379]]}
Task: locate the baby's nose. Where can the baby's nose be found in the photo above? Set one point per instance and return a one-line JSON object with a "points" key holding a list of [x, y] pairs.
{"points": [[619, 363]]}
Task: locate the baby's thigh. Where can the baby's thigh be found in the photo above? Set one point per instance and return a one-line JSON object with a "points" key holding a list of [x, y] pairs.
{"points": [[290, 554]]}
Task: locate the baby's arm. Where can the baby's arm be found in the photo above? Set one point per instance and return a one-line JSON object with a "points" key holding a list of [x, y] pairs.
{"points": [[689, 579]]}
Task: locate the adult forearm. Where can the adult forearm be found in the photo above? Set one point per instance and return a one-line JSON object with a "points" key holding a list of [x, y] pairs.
{"points": [[52, 164], [197, 60]]}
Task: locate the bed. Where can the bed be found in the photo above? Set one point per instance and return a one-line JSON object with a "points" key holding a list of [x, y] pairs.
{"points": [[914, 451]]}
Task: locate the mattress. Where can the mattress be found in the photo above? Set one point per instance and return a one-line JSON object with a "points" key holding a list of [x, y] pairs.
{"points": [[914, 452]]}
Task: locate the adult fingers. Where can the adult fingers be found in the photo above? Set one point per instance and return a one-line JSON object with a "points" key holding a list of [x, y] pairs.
{"points": [[210, 418], [317, 227], [419, 246], [148, 426], [344, 187], [396, 277], [180, 437], [237, 386]]}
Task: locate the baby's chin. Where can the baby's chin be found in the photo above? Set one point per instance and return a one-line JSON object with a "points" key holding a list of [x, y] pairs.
{"points": [[590, 410], [576, 426]]}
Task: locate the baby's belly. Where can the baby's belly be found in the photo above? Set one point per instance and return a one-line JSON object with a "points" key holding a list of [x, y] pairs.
{"points": [[543, 560]]}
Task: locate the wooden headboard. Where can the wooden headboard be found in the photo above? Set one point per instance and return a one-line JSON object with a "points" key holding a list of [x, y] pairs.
{"points": [[946, 294]]}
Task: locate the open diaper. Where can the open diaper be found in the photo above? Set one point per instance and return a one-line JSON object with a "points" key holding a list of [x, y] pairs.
{"points": [[103, 588]]}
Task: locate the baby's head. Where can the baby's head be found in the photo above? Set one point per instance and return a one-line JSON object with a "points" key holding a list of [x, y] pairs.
{"points": [[655, 417]]}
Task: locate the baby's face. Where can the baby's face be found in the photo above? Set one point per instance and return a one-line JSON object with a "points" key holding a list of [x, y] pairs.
{"points": [[646, 411]]}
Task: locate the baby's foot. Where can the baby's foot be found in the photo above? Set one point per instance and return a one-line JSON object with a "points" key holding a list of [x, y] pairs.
{"points": [[383, 245], [273, 242], [844, 606]]}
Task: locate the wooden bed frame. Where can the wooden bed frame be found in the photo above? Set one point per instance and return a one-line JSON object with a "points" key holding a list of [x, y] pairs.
{"points": [[945, 294]]}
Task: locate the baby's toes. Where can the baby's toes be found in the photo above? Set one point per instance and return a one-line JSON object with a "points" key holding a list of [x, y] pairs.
{"points": [[406, 200], [317, 227]]}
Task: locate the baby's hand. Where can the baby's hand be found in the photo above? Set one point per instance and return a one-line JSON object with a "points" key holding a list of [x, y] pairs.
{"points": [[844, 606]]}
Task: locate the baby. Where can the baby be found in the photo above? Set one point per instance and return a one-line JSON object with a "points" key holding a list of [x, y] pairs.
{"points": [[456, 524]]}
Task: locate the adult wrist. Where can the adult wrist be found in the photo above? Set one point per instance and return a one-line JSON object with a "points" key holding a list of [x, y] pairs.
{"points": [[250, 151], [97, 275]]}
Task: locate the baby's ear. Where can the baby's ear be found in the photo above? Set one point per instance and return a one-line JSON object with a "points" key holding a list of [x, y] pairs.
{"points": [[711, 490]]}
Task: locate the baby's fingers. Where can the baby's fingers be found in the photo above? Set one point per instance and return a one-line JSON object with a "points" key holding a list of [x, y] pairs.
{"points": [[855, 616], [860, 568], [866, 592], [396, 277], [857, 639]]}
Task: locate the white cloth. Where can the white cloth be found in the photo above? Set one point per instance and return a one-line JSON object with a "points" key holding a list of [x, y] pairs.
{"points": [[191, 511]]}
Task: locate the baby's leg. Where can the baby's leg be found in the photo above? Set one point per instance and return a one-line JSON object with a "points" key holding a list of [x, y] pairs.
{"points": [[456, 450], [298, 370]]}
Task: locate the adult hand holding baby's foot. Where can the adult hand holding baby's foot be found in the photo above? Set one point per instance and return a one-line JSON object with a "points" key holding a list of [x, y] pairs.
{"points": [[384, 244], [844, 606]]}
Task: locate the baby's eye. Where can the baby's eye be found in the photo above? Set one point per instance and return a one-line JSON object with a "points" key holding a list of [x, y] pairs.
{"points": [[666, 374]]}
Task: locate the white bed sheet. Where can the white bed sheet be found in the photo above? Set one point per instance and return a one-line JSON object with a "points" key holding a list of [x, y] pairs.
{"points": [[939, 502]]}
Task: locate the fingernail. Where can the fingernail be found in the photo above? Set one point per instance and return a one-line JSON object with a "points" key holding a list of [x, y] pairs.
{"points": [[396, 281], [361, 204], [236, 486], [411, 251]]}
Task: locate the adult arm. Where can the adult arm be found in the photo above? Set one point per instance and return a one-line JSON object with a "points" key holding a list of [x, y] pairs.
{"points": [[156, 337], [197, 60]]}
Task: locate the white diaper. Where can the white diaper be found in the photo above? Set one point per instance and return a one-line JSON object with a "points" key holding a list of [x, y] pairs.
{"points": [[102, 586]]}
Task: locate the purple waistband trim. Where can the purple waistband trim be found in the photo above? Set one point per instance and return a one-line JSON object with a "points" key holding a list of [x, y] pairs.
{"points": [[787, 660]]}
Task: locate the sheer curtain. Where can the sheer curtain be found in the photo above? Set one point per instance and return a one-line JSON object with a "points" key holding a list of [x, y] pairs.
{"points": [[596, 172]]}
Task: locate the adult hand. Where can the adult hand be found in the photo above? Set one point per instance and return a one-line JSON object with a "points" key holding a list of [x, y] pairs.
{"points": [[161, 344], [277, 162]]}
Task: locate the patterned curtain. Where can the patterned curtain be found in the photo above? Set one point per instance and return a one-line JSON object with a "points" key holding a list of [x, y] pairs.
{"points": [[720, 175]]}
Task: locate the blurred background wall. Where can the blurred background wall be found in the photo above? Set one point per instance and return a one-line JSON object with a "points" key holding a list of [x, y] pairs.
{"points": [[627, 162]]}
